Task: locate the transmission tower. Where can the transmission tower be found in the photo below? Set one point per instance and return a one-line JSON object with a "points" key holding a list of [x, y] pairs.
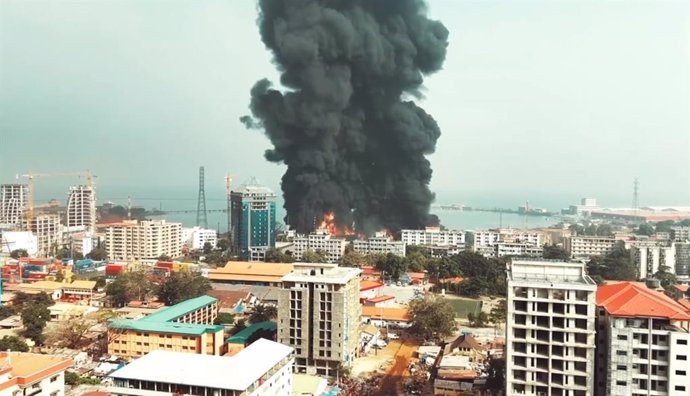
{"points": [[201, 219], [636, 195]]}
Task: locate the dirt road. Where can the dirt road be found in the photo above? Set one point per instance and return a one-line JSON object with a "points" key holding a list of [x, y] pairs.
{"points": [[392, 380]]}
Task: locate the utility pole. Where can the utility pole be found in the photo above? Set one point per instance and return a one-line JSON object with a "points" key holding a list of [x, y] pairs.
{"points": [[201, 215]]}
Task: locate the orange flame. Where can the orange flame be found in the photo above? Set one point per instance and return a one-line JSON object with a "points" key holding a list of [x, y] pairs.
{"points": [[328, 224]]}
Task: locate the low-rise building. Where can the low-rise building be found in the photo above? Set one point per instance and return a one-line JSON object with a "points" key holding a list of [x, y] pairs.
{"points": [[466, 345], [433, 236], [196, 237], [184, 327], [233, 302], [643, 343], [379, 244], [369, 289], [517, 249], [32, 374], [247, 336], [263, 368], [386, 316], [320, 240], [250, 273], [584, 247], [680, 233]]}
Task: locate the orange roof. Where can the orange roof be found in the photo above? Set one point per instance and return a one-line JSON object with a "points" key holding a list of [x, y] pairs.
{"points": [[685, 303], [417, 275], [682, 288], [379, 299], [386, 313], [369, 284], [28, 368], [628, 299], [369, 270], [457, 279], [251, 271]]}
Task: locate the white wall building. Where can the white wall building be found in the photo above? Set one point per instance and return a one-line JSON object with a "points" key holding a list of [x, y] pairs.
{"points": [[319, 240], [32, 374], [13, 200], [650, 258], [196, 237], [379, 243], [550, 331], [133, 240], [680, 233], [81, 208], [13, 240], [643, 344], [48, 231], [583, 247], [433, 236], [264, 368], [516, 249]]}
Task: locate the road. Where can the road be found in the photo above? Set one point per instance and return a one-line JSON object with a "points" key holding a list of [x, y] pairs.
{"points": [[391, 382]]}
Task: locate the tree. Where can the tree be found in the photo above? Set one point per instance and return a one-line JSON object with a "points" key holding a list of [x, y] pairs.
{"points": [[17, 253], [98, 254], [181, 286], [554, 252], [164, 257], [472, 287], [5, 312], [23, 300], [239, 326], [498, 313], [224, 318], [63, 253], [666, 277], [70, 333], [616, 265], [353, 259], [60, 276], [478, 320], [496, 380], [311, 256], [263, 313], [13, 343], [128, 286], [34, 318], [100, 281], [433, 318], [644, 229], [392, 264], [664, 226], [274, 255], [223, 244], [416, 261]]}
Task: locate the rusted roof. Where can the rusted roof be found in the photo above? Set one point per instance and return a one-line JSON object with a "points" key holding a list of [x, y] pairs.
{"points": [[628, 299]]}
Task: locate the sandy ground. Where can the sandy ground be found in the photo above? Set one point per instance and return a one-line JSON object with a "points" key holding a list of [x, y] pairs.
{"points": [[391, 383], [375, 360]]}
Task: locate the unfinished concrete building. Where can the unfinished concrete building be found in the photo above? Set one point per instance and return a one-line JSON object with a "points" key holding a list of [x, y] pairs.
{"points": [[13, 199], [319, 315], [81, 208], [46, 227]]}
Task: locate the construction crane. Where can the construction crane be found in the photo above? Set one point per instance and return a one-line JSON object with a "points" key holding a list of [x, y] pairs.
{"points": [[31, 176]]}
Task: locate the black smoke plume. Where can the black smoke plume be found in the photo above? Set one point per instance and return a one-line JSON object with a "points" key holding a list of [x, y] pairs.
{"points": [[353, 144]]}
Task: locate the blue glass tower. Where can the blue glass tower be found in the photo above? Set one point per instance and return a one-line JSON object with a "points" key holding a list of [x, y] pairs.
{"points": [[252, 221]]}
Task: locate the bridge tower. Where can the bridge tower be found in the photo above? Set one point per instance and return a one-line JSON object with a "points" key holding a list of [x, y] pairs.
{"points": [[201, 215]]}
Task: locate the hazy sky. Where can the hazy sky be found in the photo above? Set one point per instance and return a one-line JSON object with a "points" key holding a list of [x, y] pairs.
{"points": [[536, 98]]}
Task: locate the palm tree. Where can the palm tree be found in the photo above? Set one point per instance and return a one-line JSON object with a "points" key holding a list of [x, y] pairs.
{"points": [[263, 313]]}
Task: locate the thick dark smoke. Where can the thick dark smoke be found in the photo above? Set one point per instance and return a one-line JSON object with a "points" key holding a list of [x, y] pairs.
{"points": [[352, 143]]}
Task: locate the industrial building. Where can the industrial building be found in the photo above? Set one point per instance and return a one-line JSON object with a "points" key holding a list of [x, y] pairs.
{"points": [[32, 374], [584, 247], [643, 344], [81, 208], [184, 327], [252, 221], [263, 368], [380, 243], [13, 201], [550, 329], [321, 240], [319, 316], [134, 240]]}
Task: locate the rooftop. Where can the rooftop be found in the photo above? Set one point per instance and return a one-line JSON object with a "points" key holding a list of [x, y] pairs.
{"points": [[550, 271], [228, 299], [243, 336], [237, 372], [42, 285], [31, 367], [164, 327], [380, 298], [337, 275], [82, 284], [365, 285], [682, 288], [628, 299], [387, 313], [178, 310], [251, 271]]}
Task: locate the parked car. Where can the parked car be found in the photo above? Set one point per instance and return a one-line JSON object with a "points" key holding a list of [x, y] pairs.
{"points": [[393, 336]]}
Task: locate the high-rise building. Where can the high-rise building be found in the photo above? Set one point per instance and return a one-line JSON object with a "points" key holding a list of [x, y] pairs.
{"points": [[433, 236], [643, 344], [319, 240], [81, 208], [680, 233], [253, 221], [682, 259], [134, 240], [319, 315], [13, 201], [47, 229], [650, 258], [380, 243], [583, 247], [550, 329]]}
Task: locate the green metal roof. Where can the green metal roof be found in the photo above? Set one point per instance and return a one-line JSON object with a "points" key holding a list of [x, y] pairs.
{"points": [[178, 310], [243, 336], [164, 327]]}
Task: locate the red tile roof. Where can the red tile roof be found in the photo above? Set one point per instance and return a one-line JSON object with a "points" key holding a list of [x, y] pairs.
{"points": [[369, 285], [685, 303], [627, 299], [381, 298]]}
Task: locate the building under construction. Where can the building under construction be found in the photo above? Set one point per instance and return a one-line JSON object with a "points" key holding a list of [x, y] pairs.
{"points": [[13, 201], [81, 208], [46, 227]]}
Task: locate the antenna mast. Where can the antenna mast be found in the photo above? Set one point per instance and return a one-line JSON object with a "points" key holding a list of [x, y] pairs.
{"points": [[201, 215]]}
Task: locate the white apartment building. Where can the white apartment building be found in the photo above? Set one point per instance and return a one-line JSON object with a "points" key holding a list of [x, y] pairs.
{"points": [[550, 329], [433, 236], [517, 249], [649, 258], [583, 247], [13, 240], [32, 374], [319, 240], [379, 243], [196, 237], [47, 229], [264, 368], [526, 236], [13, 201], [485, 238], [319, 316], [81, 208], [134, 240], [438, 251], [682, 259], [680, 233], [643, 344]]}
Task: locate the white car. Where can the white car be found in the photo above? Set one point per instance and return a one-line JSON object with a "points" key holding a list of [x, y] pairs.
{"points": [[393, 336]]}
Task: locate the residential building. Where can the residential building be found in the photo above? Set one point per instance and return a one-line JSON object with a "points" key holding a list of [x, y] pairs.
{"points": [[524, 236], [680, 233], [184, 327], [516, 249], [682, 259], [583, 247], [651, 258], [320, 240], [433, 236], [32, 374], [81, 208], [550, 329], [643, 344], [13, 240], [252, 221], [46, 227], [13, 202], [262, 369], [319, 316], [251, 273], [196, 238], [380, 243], [466, 345], [439, 251], [508, 242], [386, 316], [136, 240], [249, 335]]}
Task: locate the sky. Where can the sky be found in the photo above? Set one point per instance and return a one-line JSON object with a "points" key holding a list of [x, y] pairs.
{"points": [[546, 101]]}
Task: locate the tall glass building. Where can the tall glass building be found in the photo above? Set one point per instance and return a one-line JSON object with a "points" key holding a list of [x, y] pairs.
{"points": [[252, 221]]}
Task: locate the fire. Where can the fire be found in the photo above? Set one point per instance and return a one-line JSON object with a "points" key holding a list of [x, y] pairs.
{"points": [[328, 224]]}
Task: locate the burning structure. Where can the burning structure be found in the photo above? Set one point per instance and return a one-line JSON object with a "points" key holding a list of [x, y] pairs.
{"points": [[353, 140]]}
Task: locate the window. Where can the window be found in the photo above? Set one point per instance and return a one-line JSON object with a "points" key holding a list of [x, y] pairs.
{"points": [[681, 357], [621, 367], [621, 383], [622, 337], [680, 372], [682, 342], [680, 388], [622, 353]]}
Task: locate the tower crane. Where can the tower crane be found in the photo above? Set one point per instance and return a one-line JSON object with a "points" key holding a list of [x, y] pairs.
{"points": [[32, 176]]}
